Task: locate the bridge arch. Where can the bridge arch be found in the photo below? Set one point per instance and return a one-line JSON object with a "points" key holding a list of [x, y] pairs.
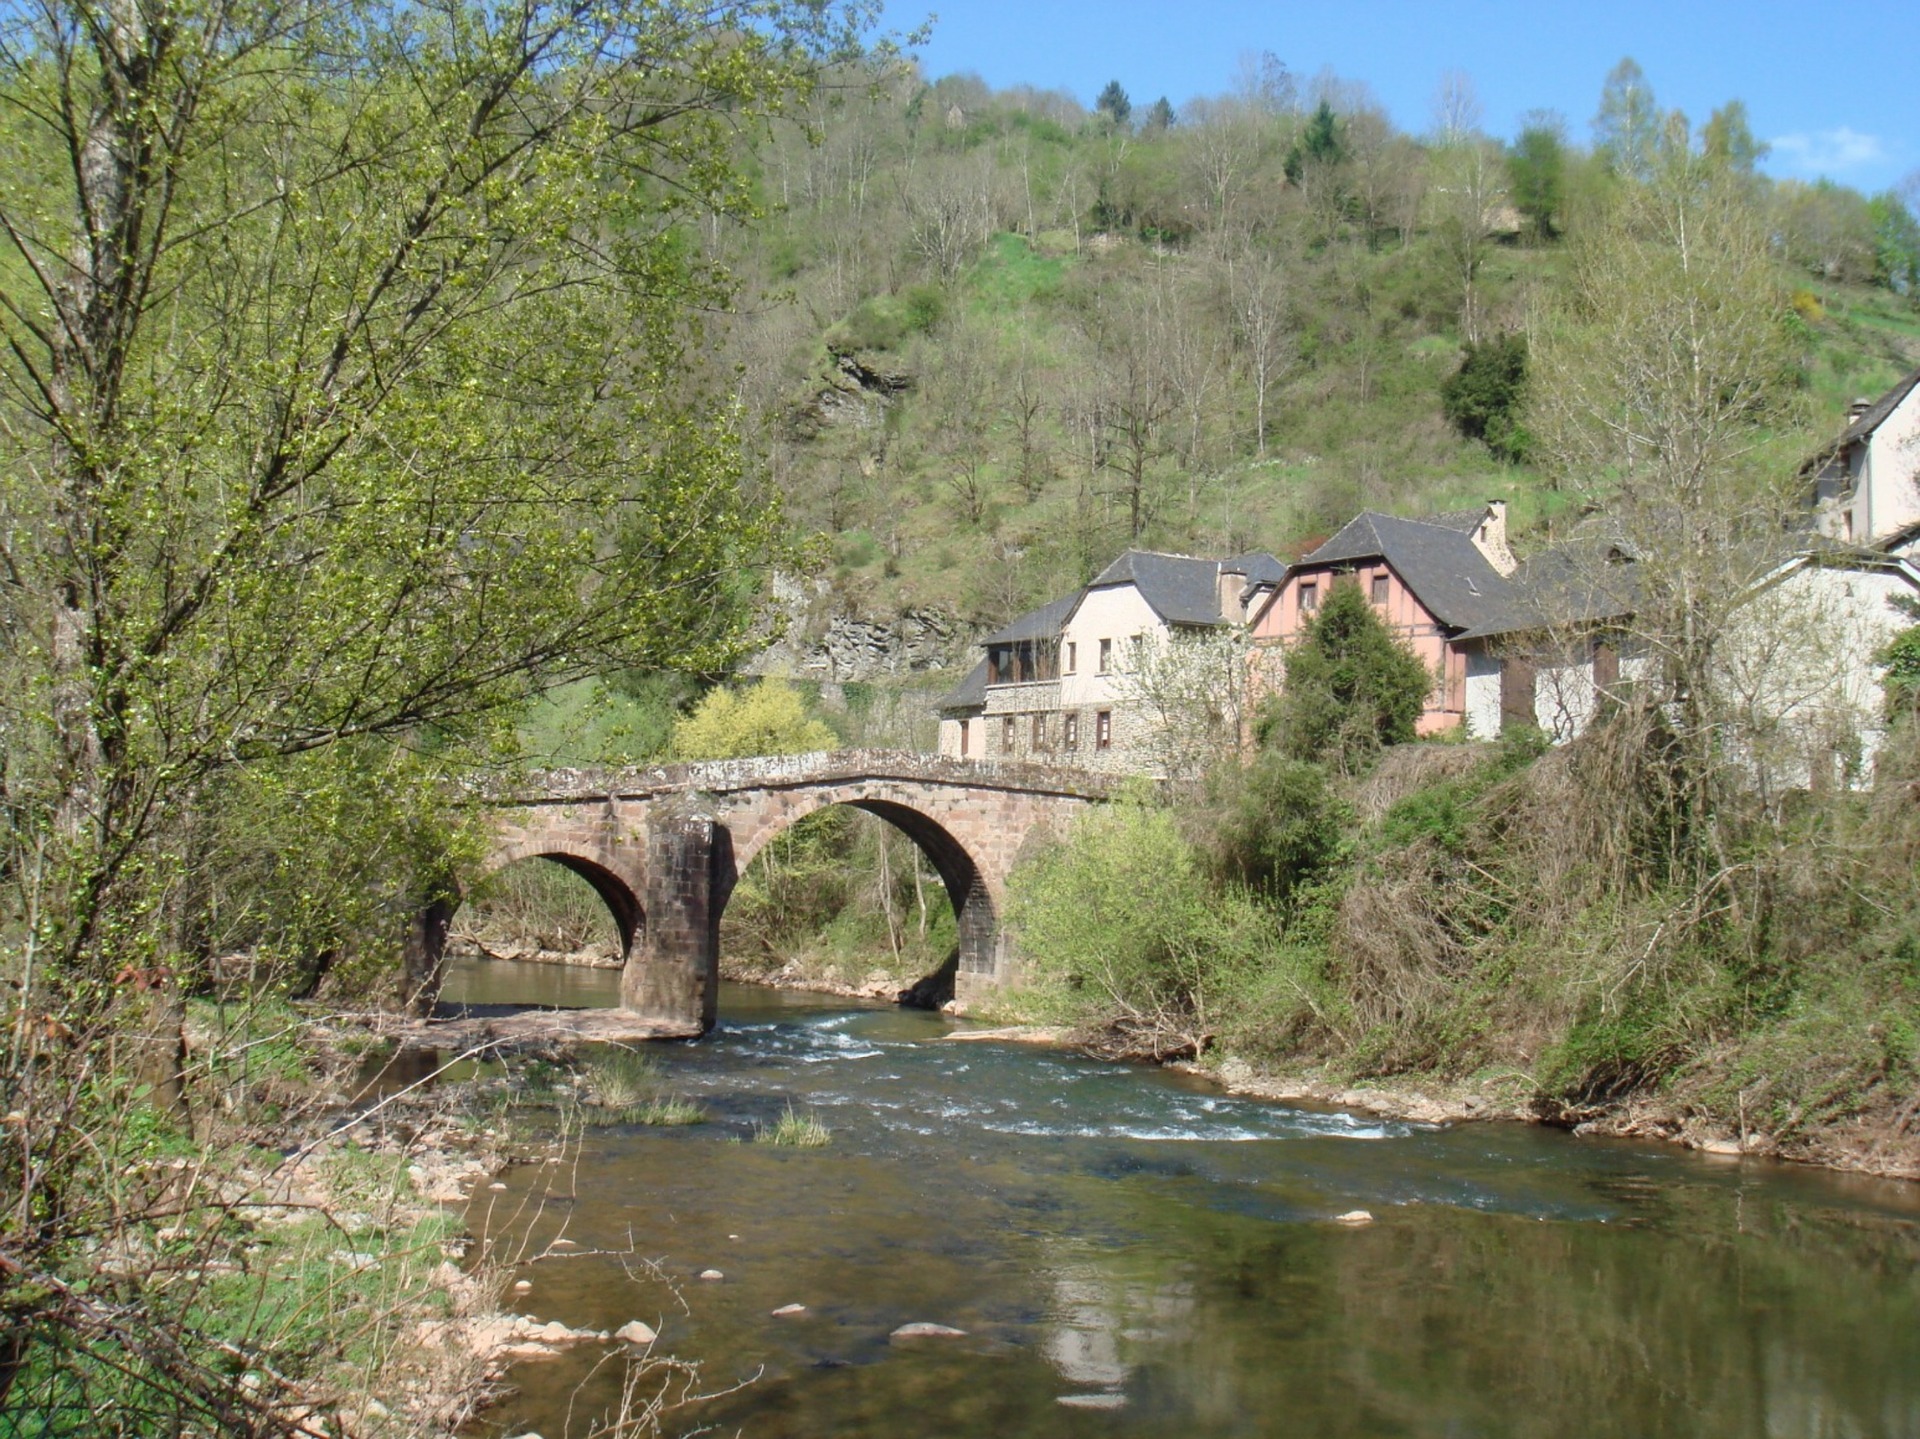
{"points": [[617, 891], [976, 905]]}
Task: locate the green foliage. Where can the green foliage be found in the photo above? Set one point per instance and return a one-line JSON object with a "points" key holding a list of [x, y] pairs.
{"points": [[1900, 663], [1114, 104], [1896, 245], [884, 322], [1536, 174], [1727, 140], [768, 717], [1626, 131], [793, 1130], [1318, 144], [1126, 934], [1276, 824], [1350, 689], [1486, 397]]}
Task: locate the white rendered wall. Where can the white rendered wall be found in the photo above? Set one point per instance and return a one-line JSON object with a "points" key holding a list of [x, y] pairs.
{"points": [[1115, 613], [1798, 677], [1483, 695], [1889, 481]]}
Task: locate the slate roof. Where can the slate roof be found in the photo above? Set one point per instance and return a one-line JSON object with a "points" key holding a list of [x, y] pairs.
{"points": [[1870, 420], [1184, 590], [1441, 565], [1259, 567], [1876, 413], [1036, 624], [1465, 521], [970, 693], [1579, 581]]}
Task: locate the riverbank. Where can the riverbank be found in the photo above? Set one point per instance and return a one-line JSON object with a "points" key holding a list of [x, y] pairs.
{"points": [[1879, 1141]]}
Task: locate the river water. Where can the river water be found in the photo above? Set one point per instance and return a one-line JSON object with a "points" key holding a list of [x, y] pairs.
{"points": [[1133, 1253]]}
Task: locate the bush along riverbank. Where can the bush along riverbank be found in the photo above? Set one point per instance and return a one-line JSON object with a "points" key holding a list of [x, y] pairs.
{"points": [[278, 1242], [1454, 931]]}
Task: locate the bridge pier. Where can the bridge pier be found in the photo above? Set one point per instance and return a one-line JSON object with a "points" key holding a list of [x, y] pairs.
{"points": [[673, 974]]}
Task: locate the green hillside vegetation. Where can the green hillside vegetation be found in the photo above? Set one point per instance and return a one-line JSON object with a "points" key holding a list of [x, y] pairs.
{"points": [[1001, 338]]}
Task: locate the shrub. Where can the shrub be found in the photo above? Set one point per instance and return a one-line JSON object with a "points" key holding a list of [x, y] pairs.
{"points": [[1276, 824], [1351, 687], [1129, 940], [1484, 398], [767, 718]]}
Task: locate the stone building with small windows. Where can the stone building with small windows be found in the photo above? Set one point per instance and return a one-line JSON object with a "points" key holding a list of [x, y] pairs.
{"points": [[1053, 684]]}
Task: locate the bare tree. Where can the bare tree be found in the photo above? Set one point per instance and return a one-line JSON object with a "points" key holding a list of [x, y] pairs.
{"points": [[1190, 689], [1260, 298], [1456, 109]]}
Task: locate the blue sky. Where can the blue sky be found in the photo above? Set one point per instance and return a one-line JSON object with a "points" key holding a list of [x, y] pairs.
{"points": [[1835, 88]]}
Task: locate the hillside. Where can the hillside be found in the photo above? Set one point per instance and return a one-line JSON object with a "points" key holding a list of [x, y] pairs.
{"points": [[991, 339]]}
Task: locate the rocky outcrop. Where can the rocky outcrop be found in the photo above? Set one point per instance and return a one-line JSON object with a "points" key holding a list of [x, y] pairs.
{"points": [[810, 636], [854, 649], [854, 390]]}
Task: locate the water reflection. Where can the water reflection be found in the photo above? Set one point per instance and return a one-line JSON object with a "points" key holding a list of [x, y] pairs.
{"points": [[1106, 1234]]}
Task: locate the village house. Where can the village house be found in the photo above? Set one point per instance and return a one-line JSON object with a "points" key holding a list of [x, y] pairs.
{"points": [[1866, 484], [1431, 580], [1552, 658], [1057, 684]]}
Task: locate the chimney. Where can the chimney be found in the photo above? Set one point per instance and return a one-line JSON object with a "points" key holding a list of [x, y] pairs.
{"points": [[1855, 410], [1491, 537], [1233, 584]]}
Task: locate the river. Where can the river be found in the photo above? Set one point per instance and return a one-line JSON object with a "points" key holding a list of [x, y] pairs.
{"points": [[1132, 1253]]}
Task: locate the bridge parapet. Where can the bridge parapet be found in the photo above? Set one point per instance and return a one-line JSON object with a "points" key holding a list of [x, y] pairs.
{"points": [[765, 772]]}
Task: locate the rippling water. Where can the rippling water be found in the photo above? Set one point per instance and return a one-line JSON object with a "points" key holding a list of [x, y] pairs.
{"points": [[1134, 1253]]}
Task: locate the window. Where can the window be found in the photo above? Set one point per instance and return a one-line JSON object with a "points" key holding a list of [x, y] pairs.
{"points": [[1380, 589], [1106, 656], [1309, 597], [964, 724], [1070, 730], [1073, 655], [1006, 735], [1039, 732], [1103, 729]]}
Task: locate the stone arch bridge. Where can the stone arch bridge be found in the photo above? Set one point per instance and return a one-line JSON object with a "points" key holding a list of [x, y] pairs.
{"points": [[664, 846]]}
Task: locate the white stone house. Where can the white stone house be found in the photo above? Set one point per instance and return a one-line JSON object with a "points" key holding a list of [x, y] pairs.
{"points": [[1866, 484], [1060, 684], [1799, 676]]}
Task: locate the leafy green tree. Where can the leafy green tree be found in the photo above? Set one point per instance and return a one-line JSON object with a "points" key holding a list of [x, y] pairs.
{"points": [[1114, 104], [1728, 141], [1896, 244], [765, 718], [1350, 687], [1276, 824], [343, 390], [1127, 937], [1486, 397], [1319, 144], [344, 407], [1159, 117], [1536, 175]]}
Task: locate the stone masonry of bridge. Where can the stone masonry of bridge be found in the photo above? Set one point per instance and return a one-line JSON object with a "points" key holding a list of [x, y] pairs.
{"points": [[664, 846]]}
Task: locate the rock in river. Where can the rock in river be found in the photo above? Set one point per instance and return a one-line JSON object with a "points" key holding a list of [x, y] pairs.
{"points": [[927, 1331]]}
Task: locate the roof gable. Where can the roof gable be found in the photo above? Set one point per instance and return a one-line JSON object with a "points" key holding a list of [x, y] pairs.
{"points": [[1180, 589], [1037, 624], [1446, 571]]}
